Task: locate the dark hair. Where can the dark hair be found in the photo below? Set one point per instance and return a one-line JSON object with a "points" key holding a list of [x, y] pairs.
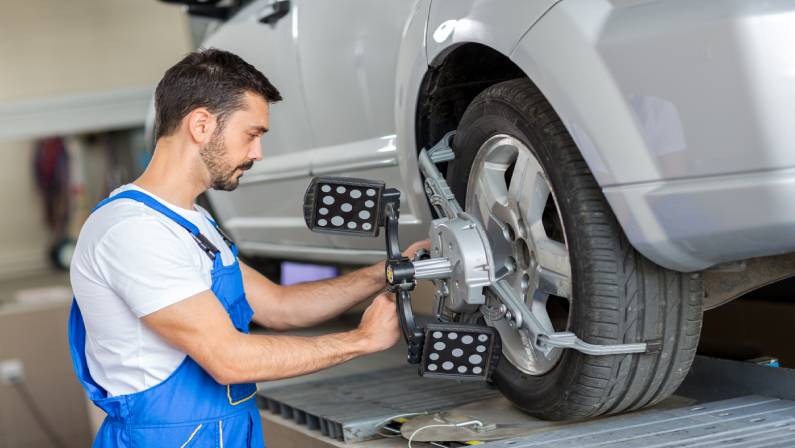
{"points": [[210, 78]]}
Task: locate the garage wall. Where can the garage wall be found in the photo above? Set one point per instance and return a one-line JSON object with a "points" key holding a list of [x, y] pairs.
{"points": [[55, 54], [23, 237], [56, 47]]}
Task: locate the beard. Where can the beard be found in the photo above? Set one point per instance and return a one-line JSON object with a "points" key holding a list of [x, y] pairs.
{"points": [[222, 173]]}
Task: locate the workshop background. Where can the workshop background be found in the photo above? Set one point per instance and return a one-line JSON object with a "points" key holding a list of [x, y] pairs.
{"points": [[76, 80]]}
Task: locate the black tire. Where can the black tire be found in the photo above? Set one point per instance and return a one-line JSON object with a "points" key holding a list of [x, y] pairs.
{"points": [[618, 296]]}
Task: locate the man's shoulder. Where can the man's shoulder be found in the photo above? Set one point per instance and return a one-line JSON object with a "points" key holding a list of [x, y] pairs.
{"points": [[127, 223], [125, 213]]}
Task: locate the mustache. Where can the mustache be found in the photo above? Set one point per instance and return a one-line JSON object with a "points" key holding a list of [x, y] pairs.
{"points": [[246, 166]]}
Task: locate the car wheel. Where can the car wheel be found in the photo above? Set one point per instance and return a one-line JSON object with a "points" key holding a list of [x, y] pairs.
{"points": [[558, 245]]}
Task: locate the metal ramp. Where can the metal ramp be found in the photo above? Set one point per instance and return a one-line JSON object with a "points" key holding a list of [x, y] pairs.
{"points": [[352, 408], [749, 422], [722, 404]]}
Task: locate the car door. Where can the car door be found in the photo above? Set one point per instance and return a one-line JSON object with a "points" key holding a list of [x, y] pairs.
{"points": [[348, 51], [258, 214]]}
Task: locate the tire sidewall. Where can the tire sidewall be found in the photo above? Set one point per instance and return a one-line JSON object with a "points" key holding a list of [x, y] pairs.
{"points": [[490, 115]]}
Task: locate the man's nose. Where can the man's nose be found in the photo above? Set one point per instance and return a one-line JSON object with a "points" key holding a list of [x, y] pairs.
{"points": [[256, 152]]}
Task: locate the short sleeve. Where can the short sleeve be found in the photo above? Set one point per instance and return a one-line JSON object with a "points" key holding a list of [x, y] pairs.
{"points": [[148, 265]]}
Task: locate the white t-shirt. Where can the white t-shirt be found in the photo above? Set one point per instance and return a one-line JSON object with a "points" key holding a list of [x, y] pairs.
{"points": [[131, 261]]}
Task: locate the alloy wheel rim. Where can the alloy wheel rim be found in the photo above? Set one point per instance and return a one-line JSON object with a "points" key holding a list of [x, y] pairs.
{"points": [[508, 191]]}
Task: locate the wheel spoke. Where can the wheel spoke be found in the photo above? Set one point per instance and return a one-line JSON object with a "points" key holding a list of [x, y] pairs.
{"points": [[492, 193], [538, 306], [528, 190], [554, 268]]}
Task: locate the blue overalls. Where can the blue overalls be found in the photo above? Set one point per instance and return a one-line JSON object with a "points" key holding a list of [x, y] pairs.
{"points": [[189, 408]]}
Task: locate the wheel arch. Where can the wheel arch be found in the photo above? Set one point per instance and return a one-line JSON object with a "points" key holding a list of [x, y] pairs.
{"points": [[588, 101], [452, 81]]}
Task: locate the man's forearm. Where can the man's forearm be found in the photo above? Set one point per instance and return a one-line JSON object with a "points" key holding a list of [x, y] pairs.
{"points": [[200, 327], [323, 300], [252, 358]]}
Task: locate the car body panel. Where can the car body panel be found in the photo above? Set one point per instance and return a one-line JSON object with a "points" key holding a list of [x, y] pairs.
{"points": [[350, 95], [669, 100], [498, 24]]}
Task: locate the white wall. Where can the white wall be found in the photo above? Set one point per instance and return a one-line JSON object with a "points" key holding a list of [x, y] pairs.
{"points": [[57, 48]]}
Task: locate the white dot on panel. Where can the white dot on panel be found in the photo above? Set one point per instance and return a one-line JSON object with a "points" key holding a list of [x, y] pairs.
{"points": [[437, 334], [323, 211], [462, 369], [340, 189], [433, 356], [457, 352], [322, 222], [366, 226], [351, 225], [452, 335], [346, 207], [356, 194], [483, 338], [370, 192], [480, 348], [439, 346], [432, 367], [447, 365], [467, 339], [364, 214], [328, 200], [325, 188], [369, 204], [476, 370], [337, 220], [475, 359]]}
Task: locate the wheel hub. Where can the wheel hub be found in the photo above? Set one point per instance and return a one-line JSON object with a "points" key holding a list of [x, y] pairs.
{"points": [[464, 243]]}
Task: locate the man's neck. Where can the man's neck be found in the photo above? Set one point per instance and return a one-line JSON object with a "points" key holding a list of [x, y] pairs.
{"points": [[174, 174]]}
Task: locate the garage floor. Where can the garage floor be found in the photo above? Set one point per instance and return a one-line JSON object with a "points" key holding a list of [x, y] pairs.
{"points": [[33, 320], [756, 323]]}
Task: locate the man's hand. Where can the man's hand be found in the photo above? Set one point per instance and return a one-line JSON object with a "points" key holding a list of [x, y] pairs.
{"points": [[412, 250], [379, 327], [303, 305]]}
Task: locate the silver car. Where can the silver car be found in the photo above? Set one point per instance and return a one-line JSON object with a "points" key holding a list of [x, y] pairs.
{"points": [[624, 157]]}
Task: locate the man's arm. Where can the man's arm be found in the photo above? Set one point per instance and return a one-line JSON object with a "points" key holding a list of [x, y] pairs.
{"points": [[306, 304], [200, 327], [303, 305]]}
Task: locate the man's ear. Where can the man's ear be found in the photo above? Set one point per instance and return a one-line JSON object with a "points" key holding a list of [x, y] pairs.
{"points": [[201, 124]]}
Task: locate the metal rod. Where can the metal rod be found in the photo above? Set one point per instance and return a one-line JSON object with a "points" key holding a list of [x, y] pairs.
{"points": [[432, 268]]}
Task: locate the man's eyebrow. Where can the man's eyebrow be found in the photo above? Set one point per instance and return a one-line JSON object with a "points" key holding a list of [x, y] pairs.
{"points": [[261, 129]]}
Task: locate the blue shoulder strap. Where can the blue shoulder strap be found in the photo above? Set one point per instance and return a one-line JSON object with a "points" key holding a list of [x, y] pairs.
{"points": [[152, 203], [224, 236]]}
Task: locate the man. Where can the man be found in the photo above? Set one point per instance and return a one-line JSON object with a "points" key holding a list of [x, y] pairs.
{"points": [[159, 326]]}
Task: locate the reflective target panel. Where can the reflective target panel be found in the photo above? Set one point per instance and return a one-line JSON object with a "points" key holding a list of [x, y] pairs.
{"points": [[343, 205], [461, 351]]}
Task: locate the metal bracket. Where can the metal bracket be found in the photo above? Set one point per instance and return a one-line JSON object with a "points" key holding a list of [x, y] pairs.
{"points": [[442, 151], [520, 317], [570, 340]]}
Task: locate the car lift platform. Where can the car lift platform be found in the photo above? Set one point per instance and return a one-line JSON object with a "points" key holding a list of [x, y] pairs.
{"points": [[722, 403]]}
